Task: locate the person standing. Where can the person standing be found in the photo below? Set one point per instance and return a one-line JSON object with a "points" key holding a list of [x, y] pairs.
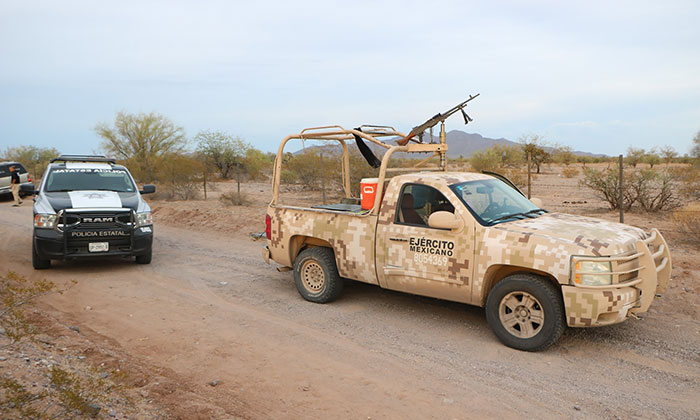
{"points": [[14, 185]]}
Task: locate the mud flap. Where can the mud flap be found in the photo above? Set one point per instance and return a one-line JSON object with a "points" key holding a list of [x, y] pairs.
{"points": [[266, 254], [647, 288]]}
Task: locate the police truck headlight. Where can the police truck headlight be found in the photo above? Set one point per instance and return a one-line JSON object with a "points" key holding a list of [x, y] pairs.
{"points": [[45, 221], [144, 219], [587, 273]]}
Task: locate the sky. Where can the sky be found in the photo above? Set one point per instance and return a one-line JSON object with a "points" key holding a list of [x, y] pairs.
{"points": [[597, 76]]}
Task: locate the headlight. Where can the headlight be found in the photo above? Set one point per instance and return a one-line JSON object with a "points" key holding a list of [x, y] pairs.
{"points": [[144, 219], [602, 279], [45, 221]]}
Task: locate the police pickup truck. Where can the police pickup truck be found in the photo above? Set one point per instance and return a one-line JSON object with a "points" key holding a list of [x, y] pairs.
{"points": [[88, 206]]}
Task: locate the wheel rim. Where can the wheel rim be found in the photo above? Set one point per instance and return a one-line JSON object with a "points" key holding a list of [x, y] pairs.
{"points": [[521, 314], [312, 276]]}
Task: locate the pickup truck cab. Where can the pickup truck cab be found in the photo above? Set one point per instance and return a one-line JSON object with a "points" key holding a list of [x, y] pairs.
{"points": [[471, 238]]}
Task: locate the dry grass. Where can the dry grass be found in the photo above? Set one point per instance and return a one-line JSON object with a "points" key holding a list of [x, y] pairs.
{"points": [[569, 172], [234, 199], [687, 220]]}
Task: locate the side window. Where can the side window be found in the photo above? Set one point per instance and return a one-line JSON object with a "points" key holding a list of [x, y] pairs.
{"points": [[4, 171], [417, 202]]}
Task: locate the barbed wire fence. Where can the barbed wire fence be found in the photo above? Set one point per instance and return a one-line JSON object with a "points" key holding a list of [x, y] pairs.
{"points": [[576, 194]]}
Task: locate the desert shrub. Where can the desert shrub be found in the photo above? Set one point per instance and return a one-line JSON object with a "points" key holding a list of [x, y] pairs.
{"points": [[687, 220], [35, 159], [485, 160], [288, 177], [533, 145], [569, 172], [235, 199], [654, 191], [689, 182], [181, 177], [517, 177], [563, 154], [142, 141], [67, 396], [634, 156], [496, 158], [315, 167], [652, 158], [15, 293], [606, 184]]}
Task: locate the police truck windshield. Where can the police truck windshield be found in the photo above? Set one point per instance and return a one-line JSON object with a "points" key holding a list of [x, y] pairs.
{"points": [[117, 180]]}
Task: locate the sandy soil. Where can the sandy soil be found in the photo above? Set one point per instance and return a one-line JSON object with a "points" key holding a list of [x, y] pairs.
{"points": [[208, 308]]}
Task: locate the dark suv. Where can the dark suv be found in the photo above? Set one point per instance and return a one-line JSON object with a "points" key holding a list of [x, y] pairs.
{"points": [[88, 206]]}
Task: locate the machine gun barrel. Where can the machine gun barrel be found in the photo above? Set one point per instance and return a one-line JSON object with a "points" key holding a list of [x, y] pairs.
{"points": [[434, 121]]}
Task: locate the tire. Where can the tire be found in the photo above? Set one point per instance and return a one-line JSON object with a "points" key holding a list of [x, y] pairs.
{"points": [[37, 262], [316, 275], [517, 303], [144, 258]]}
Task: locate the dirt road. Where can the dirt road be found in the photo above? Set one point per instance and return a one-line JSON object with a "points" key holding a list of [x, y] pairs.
{"points": [[208, 308]]}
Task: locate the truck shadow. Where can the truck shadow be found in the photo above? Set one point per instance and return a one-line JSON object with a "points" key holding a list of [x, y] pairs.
{"points": [[418, 308], [93, 265]]}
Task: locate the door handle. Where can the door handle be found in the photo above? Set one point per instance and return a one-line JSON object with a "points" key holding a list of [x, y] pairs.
{"points": [[398, 239]]}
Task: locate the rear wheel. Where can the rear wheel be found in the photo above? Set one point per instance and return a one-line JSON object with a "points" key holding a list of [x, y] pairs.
{"points": [[526, 312], [37, 262], [316, 275], [144, 258]]}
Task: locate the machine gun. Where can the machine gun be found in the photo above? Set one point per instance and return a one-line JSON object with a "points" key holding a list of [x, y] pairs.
{"points": [[439, 118]]}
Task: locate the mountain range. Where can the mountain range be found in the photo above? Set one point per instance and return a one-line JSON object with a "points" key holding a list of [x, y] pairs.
{"points": [[461, 144]]}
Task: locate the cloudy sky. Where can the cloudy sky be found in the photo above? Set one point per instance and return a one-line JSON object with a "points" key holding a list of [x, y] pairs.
{"points": [[597, 76]]}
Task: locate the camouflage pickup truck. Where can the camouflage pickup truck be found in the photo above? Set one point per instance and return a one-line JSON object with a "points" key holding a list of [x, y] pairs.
{"points": [[466, 237]]}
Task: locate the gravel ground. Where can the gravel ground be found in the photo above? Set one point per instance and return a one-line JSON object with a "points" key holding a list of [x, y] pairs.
{"points": [[208, 309]]}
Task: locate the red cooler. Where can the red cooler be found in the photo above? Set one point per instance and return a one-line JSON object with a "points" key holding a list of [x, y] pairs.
{"points": [[368, 191]]}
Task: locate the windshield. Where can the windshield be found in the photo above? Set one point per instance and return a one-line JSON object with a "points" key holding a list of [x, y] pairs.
{"points": [[492, 201], [89, 179]]}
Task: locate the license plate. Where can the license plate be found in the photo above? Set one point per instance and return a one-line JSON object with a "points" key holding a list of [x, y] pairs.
{"points": [[98, 246]]}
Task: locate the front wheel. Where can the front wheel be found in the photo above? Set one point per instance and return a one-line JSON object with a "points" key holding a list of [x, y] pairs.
{"points": [[316, 275], [144, 258], [37, 262], [526, 312]]}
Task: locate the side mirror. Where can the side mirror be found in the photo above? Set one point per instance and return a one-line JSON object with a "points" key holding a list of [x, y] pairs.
{"points": [[28, 189], [148, 189], [445, 220], [537, 202]]}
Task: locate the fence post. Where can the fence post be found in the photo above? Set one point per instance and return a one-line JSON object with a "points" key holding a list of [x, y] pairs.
{"points": [[205, 183], [621, 200], [238, 181], [529, 174]]}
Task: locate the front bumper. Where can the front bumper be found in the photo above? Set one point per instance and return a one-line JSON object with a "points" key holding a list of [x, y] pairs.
{"points": [[50, 244], [637, 276]]}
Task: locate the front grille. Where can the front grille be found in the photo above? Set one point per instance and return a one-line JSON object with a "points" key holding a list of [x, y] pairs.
{"points": [[81, 228]]}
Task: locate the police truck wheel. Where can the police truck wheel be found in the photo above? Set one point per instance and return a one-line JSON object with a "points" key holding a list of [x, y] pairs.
{"points": [[316, 275], [37, 262], [526, 312], [145, 258]]}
